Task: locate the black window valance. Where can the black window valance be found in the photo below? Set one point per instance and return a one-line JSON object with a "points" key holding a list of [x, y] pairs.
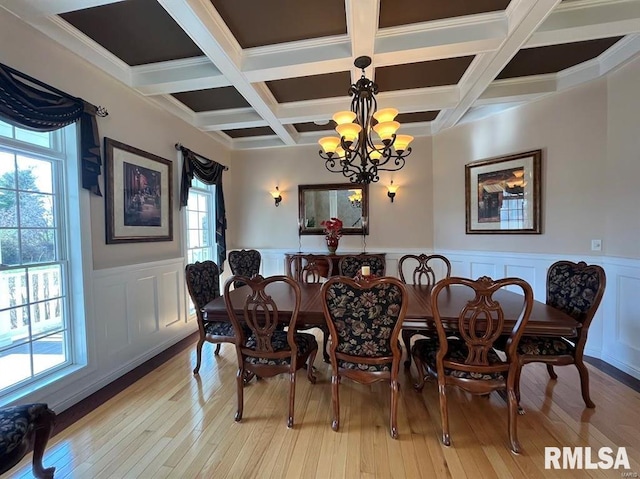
{"points": [[210, 173], [33, 105]]}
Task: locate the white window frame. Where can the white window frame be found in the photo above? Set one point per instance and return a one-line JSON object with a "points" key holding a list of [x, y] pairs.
{"points": [[75, 253]]}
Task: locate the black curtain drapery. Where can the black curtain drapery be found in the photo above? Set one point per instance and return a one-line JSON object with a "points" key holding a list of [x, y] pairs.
{"points": [[30, 104], [210, 173]]}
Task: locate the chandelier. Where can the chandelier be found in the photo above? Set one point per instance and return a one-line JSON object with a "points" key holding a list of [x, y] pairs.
{"points": [[355, 198], [355, 153]]}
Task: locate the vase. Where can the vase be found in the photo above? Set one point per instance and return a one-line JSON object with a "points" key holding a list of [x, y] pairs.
{"points": [[332, 243]]}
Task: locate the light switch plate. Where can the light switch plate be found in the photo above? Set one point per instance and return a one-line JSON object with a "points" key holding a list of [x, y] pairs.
{"points": [[596, 245]]}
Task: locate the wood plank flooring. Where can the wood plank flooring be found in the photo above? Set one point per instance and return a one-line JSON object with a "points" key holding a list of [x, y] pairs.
{"points": [[174, 425]]}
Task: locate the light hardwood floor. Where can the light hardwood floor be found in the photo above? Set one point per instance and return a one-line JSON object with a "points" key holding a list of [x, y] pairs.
{"points": [[172, 424]]}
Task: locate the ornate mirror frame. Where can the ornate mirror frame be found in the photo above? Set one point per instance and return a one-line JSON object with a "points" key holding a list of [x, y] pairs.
{"points": [[355, 219]]}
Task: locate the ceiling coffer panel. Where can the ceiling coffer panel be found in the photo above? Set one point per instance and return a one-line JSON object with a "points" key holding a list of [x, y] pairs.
{"points": [[250, 132], [223, 98], [136, 31], [421, 75], [554, 58], [259, 23], [404, 12], [313, 87]]}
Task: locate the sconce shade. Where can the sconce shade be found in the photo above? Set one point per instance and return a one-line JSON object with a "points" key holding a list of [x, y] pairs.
{"points": [[391, 190], [277, 197]]}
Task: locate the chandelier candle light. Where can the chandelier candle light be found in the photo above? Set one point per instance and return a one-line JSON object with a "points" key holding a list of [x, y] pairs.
{"points": [[355, 153]]}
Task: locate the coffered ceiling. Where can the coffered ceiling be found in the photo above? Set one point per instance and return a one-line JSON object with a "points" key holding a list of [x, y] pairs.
{"points": [[257, 74]]}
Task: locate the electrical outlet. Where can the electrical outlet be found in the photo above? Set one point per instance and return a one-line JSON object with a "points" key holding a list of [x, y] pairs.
{"points": [[596, 245]]}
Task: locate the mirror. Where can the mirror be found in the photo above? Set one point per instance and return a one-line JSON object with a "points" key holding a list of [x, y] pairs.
{"points": [[346, 201]]}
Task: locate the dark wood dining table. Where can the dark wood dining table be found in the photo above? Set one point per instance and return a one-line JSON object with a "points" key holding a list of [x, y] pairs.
{"points": [[544, 321]]}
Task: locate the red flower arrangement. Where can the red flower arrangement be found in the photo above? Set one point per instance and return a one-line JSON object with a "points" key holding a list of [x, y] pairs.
{"points": [[332, 228]]}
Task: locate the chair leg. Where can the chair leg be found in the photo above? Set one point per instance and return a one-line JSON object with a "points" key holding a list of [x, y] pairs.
{"points": [[310, 360], [444, 413], [335, 399], [198, 355], [217, 351], [516, 388], [325, 340], [513, 417], [406, 339], [292, 397], [240, 387], [419, 385], [43, 427], [394, 409], [584, 382], [552, 373]]}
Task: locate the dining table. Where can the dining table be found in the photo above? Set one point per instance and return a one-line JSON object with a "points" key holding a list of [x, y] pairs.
{"points": [[545, 320]]}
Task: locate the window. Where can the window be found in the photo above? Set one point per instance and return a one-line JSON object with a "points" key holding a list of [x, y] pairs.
{"points": [[201, 220], [201, 234], [35, 311]]}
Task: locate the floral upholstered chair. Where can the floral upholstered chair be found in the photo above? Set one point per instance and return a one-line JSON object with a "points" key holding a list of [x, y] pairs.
{"points": [[244, 262], [262, 348], [364, 320], [203, 284], [350, 266], [423, 270], [576, 289], [468, 360], [21, 429]]}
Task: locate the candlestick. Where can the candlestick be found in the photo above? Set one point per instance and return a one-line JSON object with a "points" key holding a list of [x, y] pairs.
{"points": [[366, 271]]}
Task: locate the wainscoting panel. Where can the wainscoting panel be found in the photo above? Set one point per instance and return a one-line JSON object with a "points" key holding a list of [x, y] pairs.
{"points": [[614, 335], [144, 310]]}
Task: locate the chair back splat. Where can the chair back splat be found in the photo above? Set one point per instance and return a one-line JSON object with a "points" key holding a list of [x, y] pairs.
{"points": [[364, 320]]}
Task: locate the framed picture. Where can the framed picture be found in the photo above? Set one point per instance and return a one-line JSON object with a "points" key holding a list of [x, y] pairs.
{"points": [[138, 200], [503, 194]]}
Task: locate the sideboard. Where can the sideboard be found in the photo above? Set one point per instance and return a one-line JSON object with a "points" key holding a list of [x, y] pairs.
{"points": [[333, 257]]}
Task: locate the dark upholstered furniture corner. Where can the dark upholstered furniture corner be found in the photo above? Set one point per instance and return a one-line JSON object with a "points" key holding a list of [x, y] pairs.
{"points": [[23, 428]]}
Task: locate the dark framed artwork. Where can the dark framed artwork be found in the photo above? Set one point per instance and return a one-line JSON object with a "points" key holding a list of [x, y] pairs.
{"points": [[138, 202], [503, 194]]}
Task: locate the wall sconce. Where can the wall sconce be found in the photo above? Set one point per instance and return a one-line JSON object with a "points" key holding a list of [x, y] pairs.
{"points": [[391, 190], [277, 197]]}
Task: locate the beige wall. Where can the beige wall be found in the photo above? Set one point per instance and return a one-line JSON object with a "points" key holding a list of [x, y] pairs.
{"points": [[621, 172], [132, 120], [254, 221], [571, 128]]}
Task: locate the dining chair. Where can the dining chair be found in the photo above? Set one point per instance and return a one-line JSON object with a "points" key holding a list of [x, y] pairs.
{"points": [[423, 270], [364, 319], [245, 262], [203, 284], [265, 350], [468, 361], [311, 269], [23, 428], [576, 289], [351, 265]]}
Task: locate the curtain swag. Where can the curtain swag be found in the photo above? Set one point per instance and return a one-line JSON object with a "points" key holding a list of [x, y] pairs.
{"points": [[210, 173], [33, 105]]}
